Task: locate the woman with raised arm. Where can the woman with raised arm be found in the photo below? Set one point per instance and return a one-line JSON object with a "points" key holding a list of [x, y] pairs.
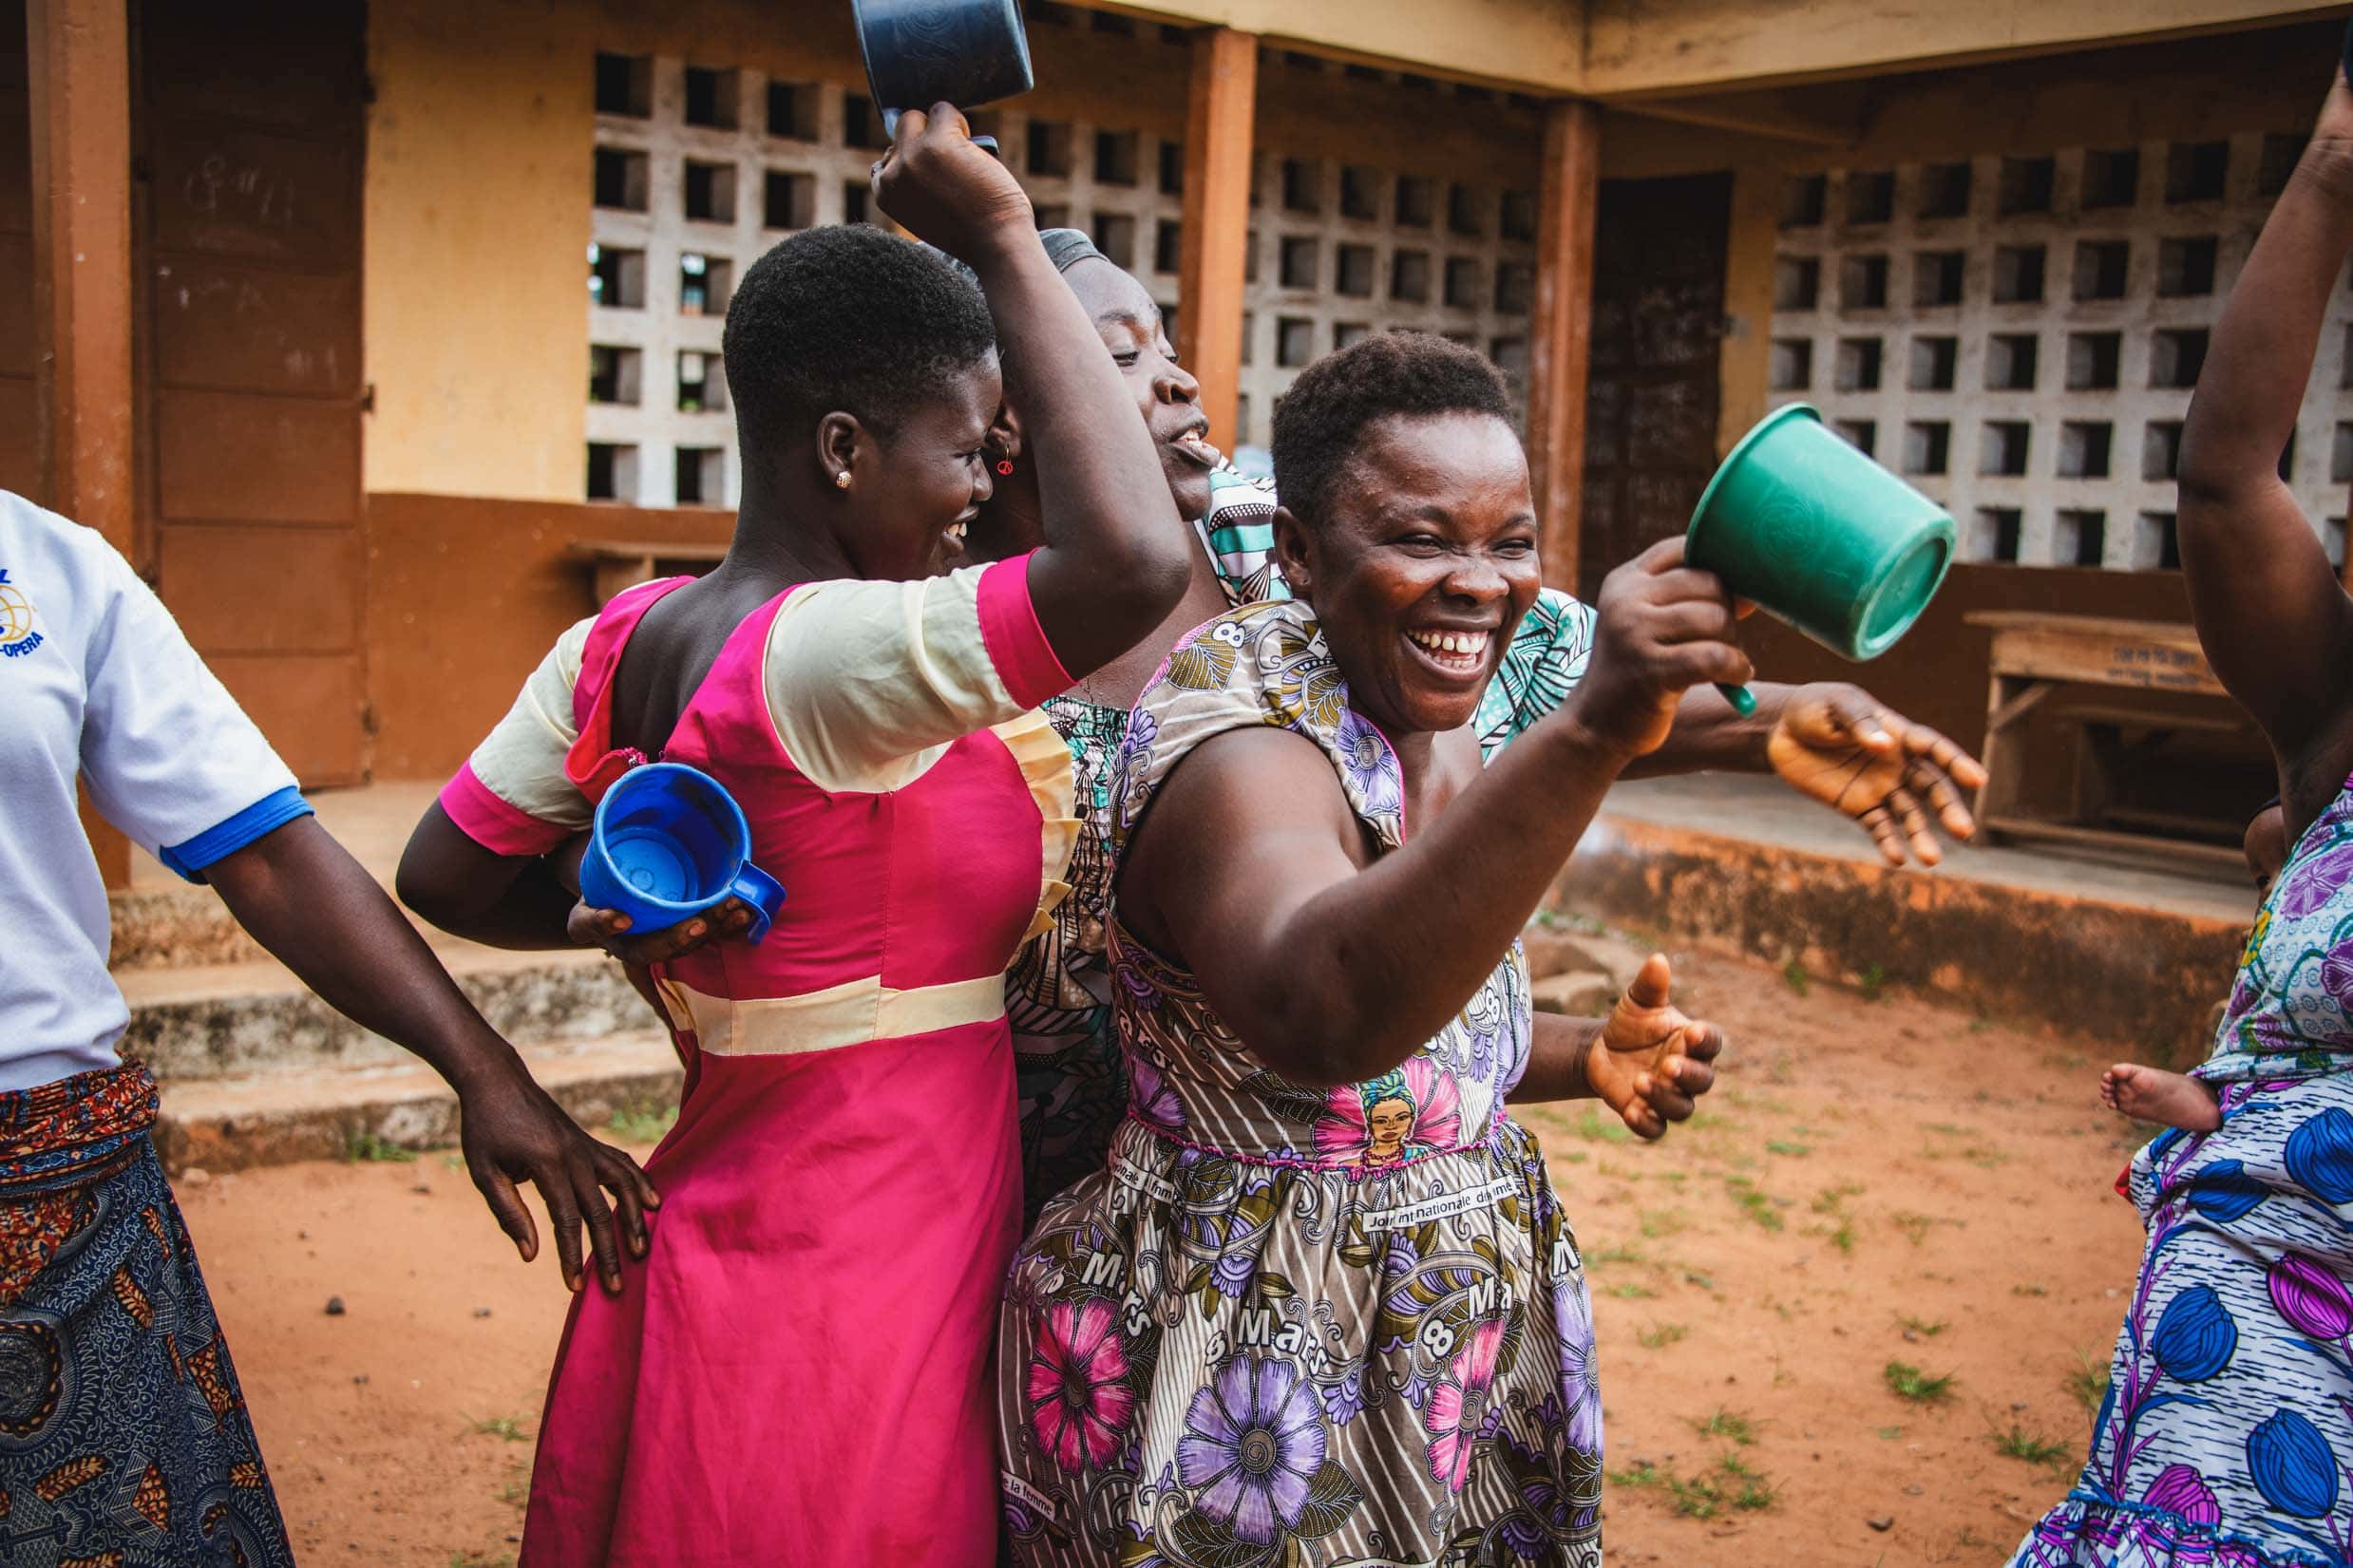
{"points": [[1323, 1301], [796, 1375], [1833, 742], [2227, 1431]]}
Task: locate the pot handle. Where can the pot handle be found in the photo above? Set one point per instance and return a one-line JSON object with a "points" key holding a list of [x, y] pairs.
{"points": [[763, 893]]}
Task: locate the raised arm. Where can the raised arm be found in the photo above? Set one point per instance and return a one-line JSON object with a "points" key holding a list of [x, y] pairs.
{"points": [[1115, 558], [2275, 625], [1331, 970]]}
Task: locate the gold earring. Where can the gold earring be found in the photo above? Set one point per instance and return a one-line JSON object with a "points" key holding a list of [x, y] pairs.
{"points": [[841, 481]]}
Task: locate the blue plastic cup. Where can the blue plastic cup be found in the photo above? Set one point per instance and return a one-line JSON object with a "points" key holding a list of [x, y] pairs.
{"points": [[669, 843]]}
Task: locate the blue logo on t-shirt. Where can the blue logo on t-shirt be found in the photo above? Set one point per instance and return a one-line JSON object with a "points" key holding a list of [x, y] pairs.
{"points": [[17, 637]]}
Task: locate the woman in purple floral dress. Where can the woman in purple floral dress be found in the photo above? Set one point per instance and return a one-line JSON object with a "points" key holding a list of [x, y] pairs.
{"points": [[2227, 1436], [1323, 1306]]}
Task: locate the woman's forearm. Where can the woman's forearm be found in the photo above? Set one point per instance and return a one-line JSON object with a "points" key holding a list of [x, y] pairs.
{"points": [[2251, 387], [1557, 1049], [500, 901], [1115, 559], [1379, 961], [305, 899]]}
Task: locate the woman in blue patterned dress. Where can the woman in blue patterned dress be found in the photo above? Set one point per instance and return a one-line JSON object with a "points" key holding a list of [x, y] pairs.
{"points": [[2227, 1436]]}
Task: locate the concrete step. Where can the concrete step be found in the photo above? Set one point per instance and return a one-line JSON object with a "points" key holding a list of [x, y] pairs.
{"points": [[2115, 955], [231, 1020], [347, 1112], [175, 924]]}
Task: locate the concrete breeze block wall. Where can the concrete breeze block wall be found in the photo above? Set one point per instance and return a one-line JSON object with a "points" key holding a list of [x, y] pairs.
{"points": [[2019, 336], [700, 167]]}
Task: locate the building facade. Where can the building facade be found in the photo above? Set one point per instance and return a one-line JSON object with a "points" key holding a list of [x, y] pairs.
{"points": [[423, 299]]}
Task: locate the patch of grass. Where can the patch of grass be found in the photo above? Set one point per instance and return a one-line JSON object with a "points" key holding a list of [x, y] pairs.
{"points": [[1833, 1200], [1705, 1281], [1795, 977], [1891, 1434], [2029, 1290], [1920, 1326], [1729, 1425], [1732, 1485], [1614, 1255], [1951, 1129], [1782, 1146], [2088, 1383], [1914, 1226], [1871, 982], [2032, 1448], [1843, 1237], [1660, 1222], [1909, 1382], [367, 1148], [516, 1492], [508, 1426], [642, 1127], [1660, 1335], [1594, 1127], [480, 1559], [1750, 1490], [1758, 1206], [1631, 1291]]}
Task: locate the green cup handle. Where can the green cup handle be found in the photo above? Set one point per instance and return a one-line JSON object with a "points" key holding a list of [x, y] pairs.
{"points": [[1743, 700]]}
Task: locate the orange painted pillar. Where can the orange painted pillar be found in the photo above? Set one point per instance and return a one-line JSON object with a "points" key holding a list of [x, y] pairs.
{"points": [[1219, 137], [1559, 356], [80, 65]]}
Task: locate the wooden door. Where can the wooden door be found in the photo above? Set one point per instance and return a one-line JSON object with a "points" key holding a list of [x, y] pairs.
{"points": [[19, 463], [249, 130], [1651, 406]]}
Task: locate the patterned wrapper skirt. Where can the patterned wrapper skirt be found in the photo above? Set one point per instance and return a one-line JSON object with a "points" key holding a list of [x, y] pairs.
{"points": [[2227, 1435], [123, 1438]]}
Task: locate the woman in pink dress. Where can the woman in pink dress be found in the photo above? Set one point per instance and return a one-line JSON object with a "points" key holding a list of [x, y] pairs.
{"points": [[796, 1373]]}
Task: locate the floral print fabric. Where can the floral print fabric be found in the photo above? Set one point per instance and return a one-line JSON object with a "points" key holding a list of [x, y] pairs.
{"points": [[1290, 1325], [1072, 1092], [2292, 1009], [2227, 1435]]}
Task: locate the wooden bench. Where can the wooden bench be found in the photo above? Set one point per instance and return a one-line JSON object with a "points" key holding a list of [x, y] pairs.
{"points": [[616, 564], [2035, 655]]}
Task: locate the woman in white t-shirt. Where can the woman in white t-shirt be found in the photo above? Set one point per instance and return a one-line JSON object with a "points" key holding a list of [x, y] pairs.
{"points": [[123, 1431]]}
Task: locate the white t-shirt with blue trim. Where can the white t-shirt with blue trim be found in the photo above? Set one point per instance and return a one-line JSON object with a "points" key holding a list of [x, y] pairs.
{"points": [[96, 681]]}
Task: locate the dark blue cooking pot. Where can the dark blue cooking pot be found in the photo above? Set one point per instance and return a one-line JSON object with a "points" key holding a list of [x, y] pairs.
{"points": [[922, 52]]}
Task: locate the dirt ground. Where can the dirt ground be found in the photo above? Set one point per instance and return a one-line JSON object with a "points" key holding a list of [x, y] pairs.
{"points": [[1877, 1184]]}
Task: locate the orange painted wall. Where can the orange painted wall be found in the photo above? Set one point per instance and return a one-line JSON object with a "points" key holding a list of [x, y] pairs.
{"points": [[465, 595]]}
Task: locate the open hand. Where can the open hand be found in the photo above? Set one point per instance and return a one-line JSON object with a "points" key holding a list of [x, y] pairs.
{"points": [[1650, 1060], [511, 1132], [943, 187], [1837, 743], [610, 929]]}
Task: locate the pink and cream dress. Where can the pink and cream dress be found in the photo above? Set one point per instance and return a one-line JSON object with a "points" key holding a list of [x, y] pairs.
{"points": [[798, 1372]]}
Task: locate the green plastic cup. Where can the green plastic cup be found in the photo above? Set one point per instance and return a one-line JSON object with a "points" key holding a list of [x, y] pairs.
{"points": [[1821, 536]]}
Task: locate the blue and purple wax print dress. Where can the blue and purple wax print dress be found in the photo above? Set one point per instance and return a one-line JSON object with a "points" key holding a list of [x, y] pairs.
{"points": [[2227, 1431]]}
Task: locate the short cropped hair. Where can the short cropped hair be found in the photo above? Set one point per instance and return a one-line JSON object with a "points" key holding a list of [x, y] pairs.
{"points": [[848, 318], [1321, 420]]}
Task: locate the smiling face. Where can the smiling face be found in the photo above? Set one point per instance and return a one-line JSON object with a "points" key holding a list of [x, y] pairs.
{"points": [[1166, 394], [913, 488], [1423, 566]]}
